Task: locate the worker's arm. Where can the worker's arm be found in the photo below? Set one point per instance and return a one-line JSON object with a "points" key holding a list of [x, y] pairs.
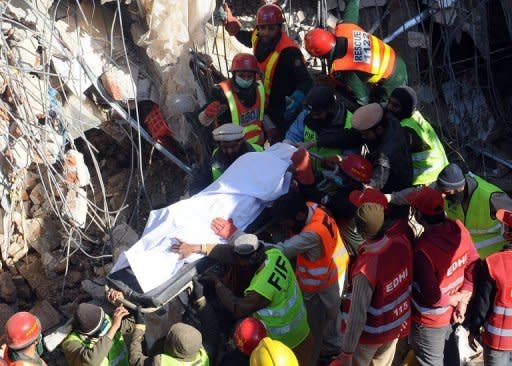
{"points": [[339, 137], [481, 303], [245, 38], [351, 13], [240, 307], [500, 200], [362, 293], [137, 357], [353, 84], [300, 243]]}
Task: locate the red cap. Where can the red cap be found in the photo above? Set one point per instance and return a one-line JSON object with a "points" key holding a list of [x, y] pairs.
{"points": [[427, 200], [505, 216], [369, 195], [248, 333]]}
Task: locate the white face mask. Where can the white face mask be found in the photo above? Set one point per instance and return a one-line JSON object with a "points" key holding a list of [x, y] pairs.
{"points": [[242, 83]]}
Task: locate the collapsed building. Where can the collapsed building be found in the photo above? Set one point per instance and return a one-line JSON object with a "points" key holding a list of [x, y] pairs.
{"points": [[89, 90]]}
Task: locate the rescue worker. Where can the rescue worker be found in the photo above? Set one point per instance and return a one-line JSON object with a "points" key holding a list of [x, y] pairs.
{"points": [[96, 338], [386, 147], [273, 295], [322, 261], [491, 307], [427, 151], [231, 145], [285, 76], [270, 352], [182, 347], [474, 201], [376, 305], [240, 100], [444, 261], [362, 63], [24, 340], [324, 126]]}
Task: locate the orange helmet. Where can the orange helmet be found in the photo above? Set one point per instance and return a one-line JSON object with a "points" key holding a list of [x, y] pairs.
{"points": [[22, 329], [269, 14], [357, 167], [319, 42], [248, 334], [244, 62]]}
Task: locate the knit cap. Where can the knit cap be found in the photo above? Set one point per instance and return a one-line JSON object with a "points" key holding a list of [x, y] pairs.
{"points": [[451, 177], [369, 219], [184, 341], [408, 100], [88, 318]]}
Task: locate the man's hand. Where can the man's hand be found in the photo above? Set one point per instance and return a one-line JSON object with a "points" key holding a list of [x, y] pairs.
{"points": [[223, 228], [460, 312], [118, 316], [455, 299], [343, 359], [113, 296], [231, 23], [185, 249]]}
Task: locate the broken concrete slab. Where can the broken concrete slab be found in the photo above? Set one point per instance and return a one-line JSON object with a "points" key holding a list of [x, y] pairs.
{"points": [[81, 114], [47, 314], [119, 84], [8, 291], [42, 234], [96, 291], [38, 194], [75, 207], [75, 171]]}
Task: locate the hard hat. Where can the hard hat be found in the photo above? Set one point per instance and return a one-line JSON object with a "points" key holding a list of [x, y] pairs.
{"points": [[368, 195], [270, 352], [269, 14], [22, 329], [357, 167], [244, 62], [248, 334], [319, 42]]}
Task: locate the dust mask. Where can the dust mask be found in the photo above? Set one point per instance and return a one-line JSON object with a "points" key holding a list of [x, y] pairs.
{"points": [[242, 83]]}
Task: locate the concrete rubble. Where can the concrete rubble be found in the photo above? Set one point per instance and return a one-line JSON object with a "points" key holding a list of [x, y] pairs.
{"points": [[77, 182]]}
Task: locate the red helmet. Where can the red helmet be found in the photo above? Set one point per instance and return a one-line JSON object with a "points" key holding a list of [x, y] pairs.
{"points": [[244, 62], [248, 334], [22, 329], [357, 167], [319, 42], [269, 14]]}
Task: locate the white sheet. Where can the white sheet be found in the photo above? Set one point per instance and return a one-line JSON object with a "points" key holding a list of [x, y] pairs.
{"points": [[241, 193]]}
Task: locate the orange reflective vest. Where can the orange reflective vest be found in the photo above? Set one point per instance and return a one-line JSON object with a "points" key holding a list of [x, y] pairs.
{"points": [[316, 275], [268, 66], [251, 119], [449, 271], [498, 327], [387, 264], [365, 53]]}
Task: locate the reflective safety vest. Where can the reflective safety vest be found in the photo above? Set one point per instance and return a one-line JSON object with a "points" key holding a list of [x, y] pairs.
{"points": [[486, 232], [321, 273], [218, 170], [251, 119], [311, 135], [449, 271], [118, 354], [201, 359], [365, 53], [285, 317], [387, 264], [426, 164], [268, 66], [498, 327]]}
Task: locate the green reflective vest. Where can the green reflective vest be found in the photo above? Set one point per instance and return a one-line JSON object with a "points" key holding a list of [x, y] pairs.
{"points": [[118, 354], [217, 171], [486, 232], [285, 318], [310, 135], [201, 359], [426, 164]]}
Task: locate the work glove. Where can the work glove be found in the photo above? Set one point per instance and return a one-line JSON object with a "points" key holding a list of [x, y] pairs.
{"points": [[293, 105], [210, 113], [223, 228], [231, 23], [139, 316], [343, 359], [302, 164], [273, 135]]}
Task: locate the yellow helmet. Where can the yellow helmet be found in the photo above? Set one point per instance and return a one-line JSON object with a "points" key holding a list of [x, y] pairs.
{"points": [[270, 352]]}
